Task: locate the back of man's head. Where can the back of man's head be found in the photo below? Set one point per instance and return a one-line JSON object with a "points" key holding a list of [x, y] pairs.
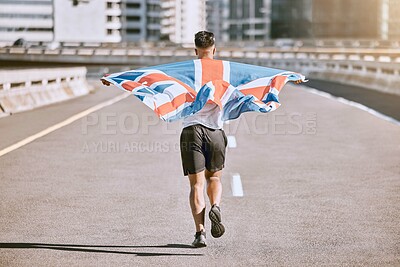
{"points": [[204, 39]]}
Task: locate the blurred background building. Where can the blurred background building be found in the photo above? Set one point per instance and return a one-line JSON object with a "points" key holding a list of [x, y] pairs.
{"points": [[32, 20], [178, 20], [217, 15], [140, 20], [249, 20], [86, 21], [393, 12], [326, 19]]}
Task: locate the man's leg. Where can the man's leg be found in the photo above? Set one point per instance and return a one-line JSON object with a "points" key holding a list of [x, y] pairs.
{"points": [[196, 197], [214, 186], [214, 192]]}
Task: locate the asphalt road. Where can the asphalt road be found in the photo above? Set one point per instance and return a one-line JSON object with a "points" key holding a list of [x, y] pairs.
{"points": [[321, 184], [388, 104]]}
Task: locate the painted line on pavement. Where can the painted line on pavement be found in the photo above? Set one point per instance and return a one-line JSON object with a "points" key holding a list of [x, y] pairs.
{"points": [[354, 104], [63, 123], [236, 185], [231, 141]]}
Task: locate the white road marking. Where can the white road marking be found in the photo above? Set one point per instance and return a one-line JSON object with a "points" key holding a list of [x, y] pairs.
{"points": [[231, 141], [354, 104], [62, 124], [236, 185]]}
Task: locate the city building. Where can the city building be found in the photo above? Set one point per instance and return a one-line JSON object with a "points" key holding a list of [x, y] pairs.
{"points": [[153, 24], [60, 20], [356, 19], [133, 20], [80, 20], [249, 20], [87, 21], [291, 18], [181, 19], [140, 20], [349, 19], [28, 19], [393, 19], [217, 19], [178, 20]]}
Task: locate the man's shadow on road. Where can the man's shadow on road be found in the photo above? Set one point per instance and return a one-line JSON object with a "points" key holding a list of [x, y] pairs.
{"points": [[90, 248]]}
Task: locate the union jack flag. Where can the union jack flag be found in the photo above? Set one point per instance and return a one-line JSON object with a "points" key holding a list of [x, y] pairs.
{"points": [[177, 90]]}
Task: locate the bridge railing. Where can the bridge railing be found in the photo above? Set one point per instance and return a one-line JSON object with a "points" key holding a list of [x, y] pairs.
{"points": [[372, 68], [25, 89], [283, 42], [90, 54]]}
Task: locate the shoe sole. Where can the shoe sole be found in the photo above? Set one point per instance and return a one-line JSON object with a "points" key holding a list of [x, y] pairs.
{"points": [[217, 228]]}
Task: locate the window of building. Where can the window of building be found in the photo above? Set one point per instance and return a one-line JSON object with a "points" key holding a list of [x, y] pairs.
{"points": [[38, 2], [151, 20], [260, 9], [31, 16], [259, 26], [132, 18], [233, 9], [133, 31], [133, 5], [246, 9]]}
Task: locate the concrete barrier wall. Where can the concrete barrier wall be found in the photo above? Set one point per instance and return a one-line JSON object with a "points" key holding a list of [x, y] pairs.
{"points": [[26, 89], [379, 76]]}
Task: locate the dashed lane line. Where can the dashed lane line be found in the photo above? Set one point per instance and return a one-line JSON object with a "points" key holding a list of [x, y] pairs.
{"points": [[236, 185]]}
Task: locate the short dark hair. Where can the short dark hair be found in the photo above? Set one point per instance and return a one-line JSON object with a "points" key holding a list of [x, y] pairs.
{"points": [[204, 39]]}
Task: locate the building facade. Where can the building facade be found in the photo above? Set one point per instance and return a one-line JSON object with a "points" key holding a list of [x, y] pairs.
{"points": [[80, 20], [28, 19], [181, 19], [249, 20], [291, 18], [349, 19], [87, 21], [133, 20], [140, 20], [393, 19], [153, 20], [217, 19], [357, 19]]}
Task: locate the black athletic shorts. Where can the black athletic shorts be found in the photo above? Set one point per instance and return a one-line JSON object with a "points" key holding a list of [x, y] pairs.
{"points": [[202, 148]]}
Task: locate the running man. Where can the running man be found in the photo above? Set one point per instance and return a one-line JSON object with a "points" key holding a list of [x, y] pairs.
{"points": [[203, 144]]}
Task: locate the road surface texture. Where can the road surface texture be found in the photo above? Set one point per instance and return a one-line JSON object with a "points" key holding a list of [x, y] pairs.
{"points": [[321, 183], [384, 103]]}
